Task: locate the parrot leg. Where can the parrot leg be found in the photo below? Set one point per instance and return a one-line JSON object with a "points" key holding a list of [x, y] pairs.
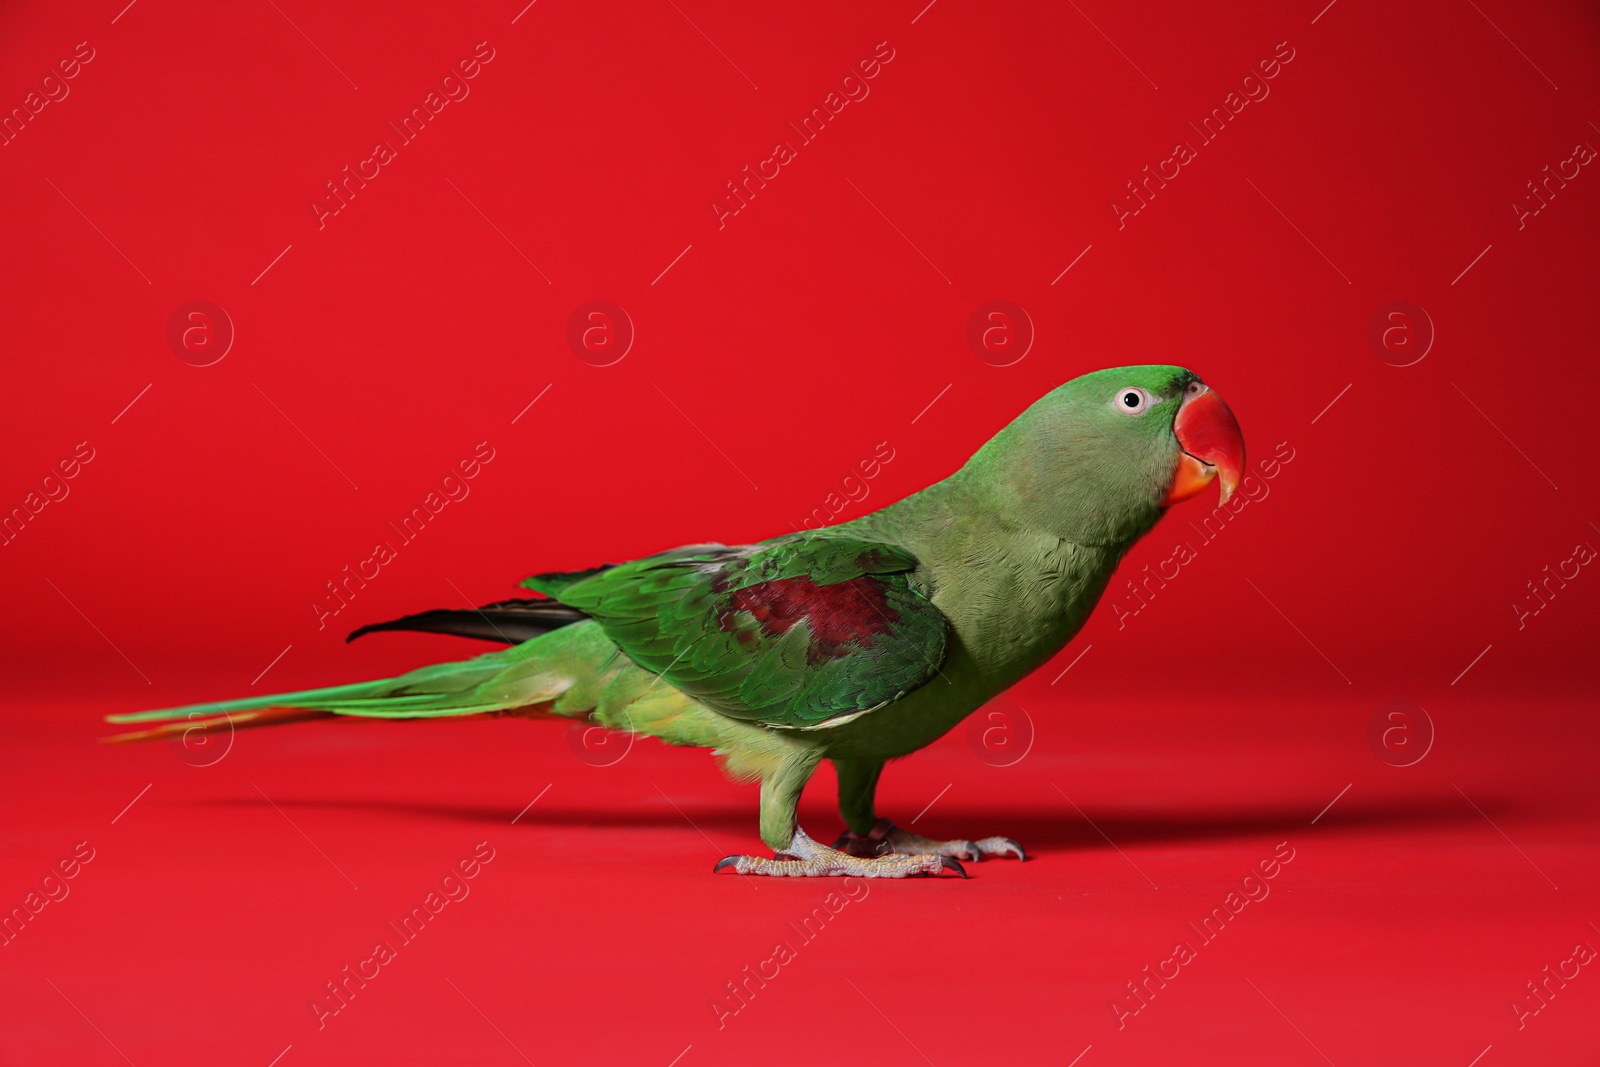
{"points": [[886, 838], [804, 858], [858, 781], [868, 835], [798, 855]]}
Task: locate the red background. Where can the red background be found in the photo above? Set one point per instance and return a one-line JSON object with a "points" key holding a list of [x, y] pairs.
{"points": [[772, 356]]}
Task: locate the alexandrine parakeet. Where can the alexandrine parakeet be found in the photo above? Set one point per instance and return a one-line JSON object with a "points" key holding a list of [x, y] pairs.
{"points": [[854, 643]]}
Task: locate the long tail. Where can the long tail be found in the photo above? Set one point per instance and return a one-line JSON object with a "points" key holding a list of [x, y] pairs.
{"points": [[514, 680], [446, 689], [572, 672]]}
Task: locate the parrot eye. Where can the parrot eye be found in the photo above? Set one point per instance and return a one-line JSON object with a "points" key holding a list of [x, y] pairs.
{"points": [[1132, 400]]}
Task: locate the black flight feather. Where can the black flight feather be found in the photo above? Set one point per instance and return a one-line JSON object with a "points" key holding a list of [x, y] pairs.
{"points": [[509, 622]]}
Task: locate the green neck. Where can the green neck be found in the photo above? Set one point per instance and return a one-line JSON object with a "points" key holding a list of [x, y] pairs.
{"points": [[1028, 481]]}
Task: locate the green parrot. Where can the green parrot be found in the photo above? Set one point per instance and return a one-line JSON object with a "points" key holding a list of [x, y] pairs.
{"points": [[855, 643]]}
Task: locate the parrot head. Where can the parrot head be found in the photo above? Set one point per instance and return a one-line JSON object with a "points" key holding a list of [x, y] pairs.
{"points": [[1100, 458]]}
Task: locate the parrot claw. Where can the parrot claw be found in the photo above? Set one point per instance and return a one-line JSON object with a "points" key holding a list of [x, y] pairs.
{"points": [[888, 839], [806, 858], [1005, 844]]}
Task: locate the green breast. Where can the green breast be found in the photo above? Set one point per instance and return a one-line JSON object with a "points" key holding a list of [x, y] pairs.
{"points": [[1014, 599]]}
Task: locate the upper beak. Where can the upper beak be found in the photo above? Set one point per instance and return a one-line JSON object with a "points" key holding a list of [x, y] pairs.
{"points": [[1212, 446]]}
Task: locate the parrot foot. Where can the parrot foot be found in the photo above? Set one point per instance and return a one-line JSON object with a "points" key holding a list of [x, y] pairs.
{"points": [[888, 839], [805, 858]]}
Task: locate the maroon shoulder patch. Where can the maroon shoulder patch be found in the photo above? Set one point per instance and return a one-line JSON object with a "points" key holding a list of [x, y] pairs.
{"points": [[841, 617]]}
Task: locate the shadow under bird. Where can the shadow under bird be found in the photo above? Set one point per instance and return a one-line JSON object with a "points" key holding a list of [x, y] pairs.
{"points": [[855, 643]]}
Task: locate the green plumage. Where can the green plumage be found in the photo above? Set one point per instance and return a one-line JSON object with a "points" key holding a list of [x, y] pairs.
{"points": [[691, 616], [859, 642]]}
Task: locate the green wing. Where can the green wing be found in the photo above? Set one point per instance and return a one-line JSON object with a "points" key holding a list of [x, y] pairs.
{"points": [[793, 632]]}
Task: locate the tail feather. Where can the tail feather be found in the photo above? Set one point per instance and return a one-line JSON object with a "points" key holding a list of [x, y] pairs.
{"points": [[240, 720], [510, 622], [468, 687], [308, 699]]}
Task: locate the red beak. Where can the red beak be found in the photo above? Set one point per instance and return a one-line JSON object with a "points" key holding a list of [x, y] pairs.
{"points": [[1212, 445]]}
